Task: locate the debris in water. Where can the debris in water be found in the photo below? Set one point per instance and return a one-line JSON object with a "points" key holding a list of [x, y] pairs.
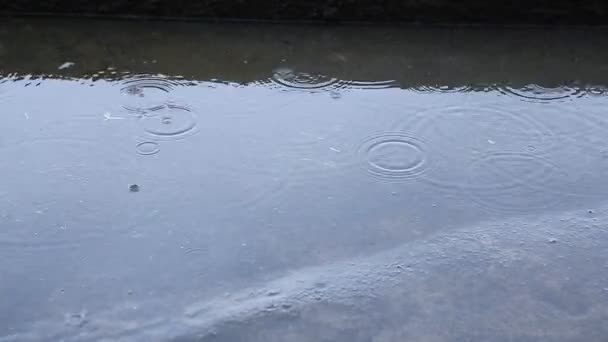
{"points": [[66, 65], [552, 240], [134, 188], [491, 142], [335, 149], [590, 211]]}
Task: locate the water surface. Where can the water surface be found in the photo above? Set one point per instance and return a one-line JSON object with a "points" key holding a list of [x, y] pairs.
{"points": [[189, 168]]}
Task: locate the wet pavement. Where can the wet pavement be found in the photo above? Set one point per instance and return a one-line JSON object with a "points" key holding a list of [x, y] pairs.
{"points": [[207, 182]]}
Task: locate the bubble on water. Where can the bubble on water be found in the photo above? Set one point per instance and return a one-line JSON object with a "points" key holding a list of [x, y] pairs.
{"points": [[538, 93], [147, 148], [171, 122], [394, 156]]}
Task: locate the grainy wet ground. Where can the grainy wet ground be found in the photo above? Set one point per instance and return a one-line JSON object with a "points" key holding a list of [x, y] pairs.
{"points": [[170, 181]]}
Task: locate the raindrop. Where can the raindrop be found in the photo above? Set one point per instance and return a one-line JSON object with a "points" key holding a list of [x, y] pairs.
{"points": [[147, 148], [171, 122]]}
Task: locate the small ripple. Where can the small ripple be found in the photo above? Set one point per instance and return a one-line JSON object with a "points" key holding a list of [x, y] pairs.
{"points": [[596, 91], [169, 123], [513, 182], [292, 80], [537, 93], [394, 156], [144, 93], [458, 135], [429, 89], [147, 148], [288, 79]]}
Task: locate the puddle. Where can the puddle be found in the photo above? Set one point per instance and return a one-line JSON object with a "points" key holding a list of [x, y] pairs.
{"points": [[321, 188]]}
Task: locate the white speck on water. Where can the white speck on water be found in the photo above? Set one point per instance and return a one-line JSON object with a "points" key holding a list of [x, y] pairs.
{"points": [[335, 149], [27, 116], [66, 65], [491, 142], [108, 116], [244, 244]]}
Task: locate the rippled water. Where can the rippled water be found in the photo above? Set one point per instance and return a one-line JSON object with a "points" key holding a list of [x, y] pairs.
{"points": [[270, 171]]}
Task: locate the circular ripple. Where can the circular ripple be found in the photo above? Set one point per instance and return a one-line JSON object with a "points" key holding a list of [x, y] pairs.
{"points": [[170, 122], [147, 148], [292, 80], [442, 89], [513, 182], [144, 93], [459, 135], [537, 93], [596, 91], [394, 156]]}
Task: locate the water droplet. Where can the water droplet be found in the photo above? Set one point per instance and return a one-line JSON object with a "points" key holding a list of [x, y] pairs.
{"points": [[147, 148], [171, 122], [394, 156]]}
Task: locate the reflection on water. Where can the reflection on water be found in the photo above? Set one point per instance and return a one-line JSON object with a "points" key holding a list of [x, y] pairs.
{"points": [[148, 172]]}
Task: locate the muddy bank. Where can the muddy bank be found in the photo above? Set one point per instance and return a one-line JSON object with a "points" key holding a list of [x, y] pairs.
{"points": [[523, 280], [427, 11]]}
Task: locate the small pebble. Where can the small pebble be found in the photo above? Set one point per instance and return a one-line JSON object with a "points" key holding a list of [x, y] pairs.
{"points": [[134, 188]]}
